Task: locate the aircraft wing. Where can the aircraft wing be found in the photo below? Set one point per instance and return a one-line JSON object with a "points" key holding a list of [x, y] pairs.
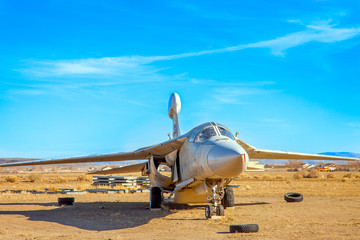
{"points": [[257, 153], [126, 169], [139, 154]]}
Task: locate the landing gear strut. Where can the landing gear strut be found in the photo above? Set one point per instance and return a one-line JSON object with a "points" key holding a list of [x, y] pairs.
{"points": [[215, 199], [155, 198]]}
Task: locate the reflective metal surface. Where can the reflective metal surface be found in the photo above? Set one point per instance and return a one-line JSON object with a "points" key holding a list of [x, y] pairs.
{"points": [[226, 160]]}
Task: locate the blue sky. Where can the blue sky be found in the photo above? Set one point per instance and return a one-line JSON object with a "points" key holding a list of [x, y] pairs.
{"points": [[84, 77]]}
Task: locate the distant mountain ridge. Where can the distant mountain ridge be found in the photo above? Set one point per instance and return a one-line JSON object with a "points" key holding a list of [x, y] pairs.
{"points": [[342, 154], [11, 160]]}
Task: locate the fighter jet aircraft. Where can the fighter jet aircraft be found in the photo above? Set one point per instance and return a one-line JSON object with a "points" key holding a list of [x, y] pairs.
{"points": [[203, 162]]}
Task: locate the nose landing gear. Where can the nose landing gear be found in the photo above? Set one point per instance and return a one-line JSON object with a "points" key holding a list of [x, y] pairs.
{"points": [[215, 199]]}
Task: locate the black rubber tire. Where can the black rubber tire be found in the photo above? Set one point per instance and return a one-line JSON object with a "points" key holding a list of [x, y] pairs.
{"points": [[220, 210], [208, 211], [228, 199], [293, 197], [155, 197], [244, 228], [66, 201]]}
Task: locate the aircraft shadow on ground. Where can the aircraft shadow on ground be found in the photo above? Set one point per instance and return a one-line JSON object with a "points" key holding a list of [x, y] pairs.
{"points": [[29, 204], [102, 216], [173, 206], [250, 204], [99, 216]]}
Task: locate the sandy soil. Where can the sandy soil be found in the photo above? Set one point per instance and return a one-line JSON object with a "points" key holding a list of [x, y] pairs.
{"points": [[330, 210]]}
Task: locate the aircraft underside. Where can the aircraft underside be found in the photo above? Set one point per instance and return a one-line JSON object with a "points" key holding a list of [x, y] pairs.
{"points": [[211, 191]]}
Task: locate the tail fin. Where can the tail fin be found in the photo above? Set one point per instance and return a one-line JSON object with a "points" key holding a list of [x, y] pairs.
{"points": [[174, 110]]}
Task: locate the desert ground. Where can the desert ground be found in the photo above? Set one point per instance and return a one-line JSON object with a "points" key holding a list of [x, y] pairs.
{"points": [[330, 210]]}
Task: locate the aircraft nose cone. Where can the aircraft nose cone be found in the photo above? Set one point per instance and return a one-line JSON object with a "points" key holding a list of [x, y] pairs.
{"points": [[225, 162]]}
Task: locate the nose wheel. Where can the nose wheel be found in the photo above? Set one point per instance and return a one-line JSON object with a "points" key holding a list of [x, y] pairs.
{"points": [[211, 209], [220, 211], [215, 199]]}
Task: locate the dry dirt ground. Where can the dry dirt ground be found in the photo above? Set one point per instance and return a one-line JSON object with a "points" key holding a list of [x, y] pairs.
{"points": [[330, 210]]}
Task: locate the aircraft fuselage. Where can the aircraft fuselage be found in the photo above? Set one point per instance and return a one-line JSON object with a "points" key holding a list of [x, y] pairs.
{"points": [[212, 156]]}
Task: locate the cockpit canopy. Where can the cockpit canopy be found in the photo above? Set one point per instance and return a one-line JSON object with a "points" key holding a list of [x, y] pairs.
{"points": [[205, 134], [207, 130]]}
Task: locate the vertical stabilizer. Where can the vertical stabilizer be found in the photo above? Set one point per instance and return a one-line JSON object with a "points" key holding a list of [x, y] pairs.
{"points": [[174, 110]]}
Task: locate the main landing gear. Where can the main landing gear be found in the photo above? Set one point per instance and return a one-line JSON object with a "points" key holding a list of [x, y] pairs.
{"points": [[155, 198], [220, 198]]}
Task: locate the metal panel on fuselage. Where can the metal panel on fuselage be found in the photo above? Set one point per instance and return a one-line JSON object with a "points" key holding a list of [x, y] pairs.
{"points": [[193, 160], [187, 160]]}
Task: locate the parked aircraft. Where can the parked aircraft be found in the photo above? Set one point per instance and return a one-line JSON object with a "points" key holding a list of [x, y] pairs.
{"points": [[203, 162]]}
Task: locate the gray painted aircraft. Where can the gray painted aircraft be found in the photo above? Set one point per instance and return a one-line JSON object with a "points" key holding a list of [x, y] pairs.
{"points": [[203, 162]]}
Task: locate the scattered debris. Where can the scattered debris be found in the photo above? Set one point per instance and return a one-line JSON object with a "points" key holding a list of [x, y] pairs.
{"points": [[121, 180]]}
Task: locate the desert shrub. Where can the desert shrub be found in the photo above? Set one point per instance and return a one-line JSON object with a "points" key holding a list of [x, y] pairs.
{"points": [[244, 176], [314, 173], [52, 189], [11, 179], [331, 175], [35, 177], [248, 187], [256, 177], [298, 176], [345, 179], [279, 177], [357, 175], [60, 180], [349, 175], [322, 175], [305, 173], [82, 178], [82, 187], [266, 177]]}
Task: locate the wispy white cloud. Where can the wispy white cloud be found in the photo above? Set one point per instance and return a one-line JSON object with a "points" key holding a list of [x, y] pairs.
{"points": [[274, 123], [233, 95], [232, 84], [124, 66], [92, 73], [116, 66]]}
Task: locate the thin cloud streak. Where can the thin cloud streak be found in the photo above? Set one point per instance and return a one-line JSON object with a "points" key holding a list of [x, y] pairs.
{"points": [[124, 66], [232, 95]]}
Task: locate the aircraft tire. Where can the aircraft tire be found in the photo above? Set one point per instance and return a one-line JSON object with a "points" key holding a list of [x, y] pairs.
{"points": [[66, 201], [155, 197], [244, 228], [293, 197], [208, 211], [228, 199], [220, 210]]}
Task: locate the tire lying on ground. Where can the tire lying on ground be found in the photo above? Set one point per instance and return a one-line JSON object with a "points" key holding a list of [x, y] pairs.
{"points": [[293, 197], [244, 228], [66, 201]]}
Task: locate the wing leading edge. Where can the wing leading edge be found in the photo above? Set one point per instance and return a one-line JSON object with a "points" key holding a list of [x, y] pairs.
{"points": [[139, 154], [126, 169], [257, 153]]}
